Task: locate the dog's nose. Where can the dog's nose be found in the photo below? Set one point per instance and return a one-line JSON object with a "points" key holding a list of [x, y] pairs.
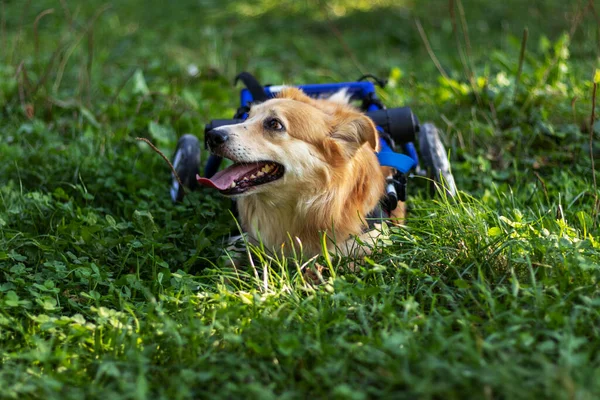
{"points": [[216, 137]]}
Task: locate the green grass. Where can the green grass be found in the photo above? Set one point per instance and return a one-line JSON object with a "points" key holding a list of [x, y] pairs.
{"points": [[107, 290]]}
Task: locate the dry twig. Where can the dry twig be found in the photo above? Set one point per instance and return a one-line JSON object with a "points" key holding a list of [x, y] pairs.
{"points": [[36, 38], [71, 50], [597, 18], [521, 59], [592, 120], [435, 60], [464, 54], [345, 45], [160, 153]]}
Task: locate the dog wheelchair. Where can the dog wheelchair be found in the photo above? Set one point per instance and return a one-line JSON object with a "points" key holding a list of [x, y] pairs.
{"points": [[398, 128]]}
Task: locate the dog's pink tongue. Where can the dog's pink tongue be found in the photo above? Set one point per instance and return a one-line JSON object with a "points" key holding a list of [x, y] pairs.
{"points": [[223, 179]]}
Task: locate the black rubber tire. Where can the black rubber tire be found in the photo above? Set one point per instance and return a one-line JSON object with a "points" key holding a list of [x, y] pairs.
{"points": [[186, 161], [435, 159]]}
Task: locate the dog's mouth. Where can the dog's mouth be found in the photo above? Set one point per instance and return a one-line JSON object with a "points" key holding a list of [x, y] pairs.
{"points": [[241, 177]]}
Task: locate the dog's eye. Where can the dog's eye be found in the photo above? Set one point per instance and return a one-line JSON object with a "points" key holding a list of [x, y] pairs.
{"points": [[274, 124]]}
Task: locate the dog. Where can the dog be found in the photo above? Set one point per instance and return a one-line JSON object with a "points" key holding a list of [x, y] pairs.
{"points": [[303, 168]]}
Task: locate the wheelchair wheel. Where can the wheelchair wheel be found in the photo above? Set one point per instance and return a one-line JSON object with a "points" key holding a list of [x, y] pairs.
{"points": [[435, 159], [186, 162]]}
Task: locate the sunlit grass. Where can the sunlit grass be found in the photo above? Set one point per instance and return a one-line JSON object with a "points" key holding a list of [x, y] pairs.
{"points": [[319, 10]]}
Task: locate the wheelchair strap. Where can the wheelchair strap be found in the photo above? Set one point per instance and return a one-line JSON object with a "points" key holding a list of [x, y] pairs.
{"points": [[389, 158], [255, 88]]}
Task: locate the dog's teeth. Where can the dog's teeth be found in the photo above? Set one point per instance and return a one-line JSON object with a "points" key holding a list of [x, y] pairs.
{"points": [[232, 185], [260, 173], [252, 176]]}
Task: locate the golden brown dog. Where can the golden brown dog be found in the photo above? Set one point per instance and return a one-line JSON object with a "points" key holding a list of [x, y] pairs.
{"points": [[302, 168]]}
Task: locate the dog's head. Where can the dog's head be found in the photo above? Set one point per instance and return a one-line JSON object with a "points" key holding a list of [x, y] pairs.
{"points": [[288, 141]]}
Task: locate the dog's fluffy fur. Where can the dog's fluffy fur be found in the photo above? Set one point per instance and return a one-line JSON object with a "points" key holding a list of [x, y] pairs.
{"points": [[332, 177]]}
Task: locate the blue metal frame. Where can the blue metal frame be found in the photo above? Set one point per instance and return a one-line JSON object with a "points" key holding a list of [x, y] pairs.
{"points": [[356, 90]]}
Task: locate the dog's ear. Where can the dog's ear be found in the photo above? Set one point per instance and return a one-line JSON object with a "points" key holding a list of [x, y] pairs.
{"points": [[293, 93], [355, 131]]}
